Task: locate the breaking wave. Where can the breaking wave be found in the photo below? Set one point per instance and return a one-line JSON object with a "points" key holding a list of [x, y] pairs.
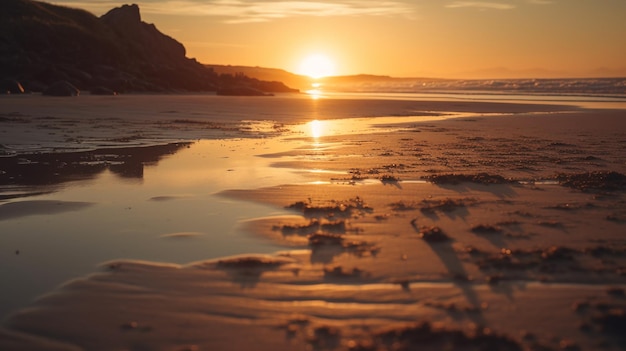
{"points": [[595, 87]]}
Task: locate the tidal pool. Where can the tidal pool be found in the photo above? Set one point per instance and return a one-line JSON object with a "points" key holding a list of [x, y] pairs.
{"points": [[60, 225]]}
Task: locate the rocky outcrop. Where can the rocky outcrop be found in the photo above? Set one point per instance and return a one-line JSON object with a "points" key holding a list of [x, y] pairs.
{"points": [[61, 88], [11, 86], [144, 39], [41, 43]]}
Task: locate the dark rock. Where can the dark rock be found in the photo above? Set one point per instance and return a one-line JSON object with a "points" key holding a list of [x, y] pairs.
{"points": [[11, 86], [61, 88]]}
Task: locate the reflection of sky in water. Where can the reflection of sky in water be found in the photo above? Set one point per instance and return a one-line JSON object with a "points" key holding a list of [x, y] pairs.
{"points": [[130, 216], [148, 212], [324, 128]]}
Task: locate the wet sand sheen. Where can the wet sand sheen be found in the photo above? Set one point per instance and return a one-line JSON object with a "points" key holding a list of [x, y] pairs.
{"points": [[478, 255]]}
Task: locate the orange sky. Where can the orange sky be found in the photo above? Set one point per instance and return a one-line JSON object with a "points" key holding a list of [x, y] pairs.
{"points": [[434, 38]]}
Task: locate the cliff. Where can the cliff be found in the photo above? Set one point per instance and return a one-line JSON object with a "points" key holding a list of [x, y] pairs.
{"points": [[41, 43]]}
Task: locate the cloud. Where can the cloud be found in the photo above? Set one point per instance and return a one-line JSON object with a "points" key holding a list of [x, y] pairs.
{"points": [[242, 11], [481, 5]]}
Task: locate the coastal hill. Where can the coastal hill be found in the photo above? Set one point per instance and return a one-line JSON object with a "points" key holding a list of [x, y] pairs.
{"points": [[267, 74], [41, 44], [369, 83], [330, 83]]}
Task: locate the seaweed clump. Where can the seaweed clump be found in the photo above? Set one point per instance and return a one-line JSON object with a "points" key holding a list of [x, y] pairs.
{"points": [[486, 229], [252, 262], [355, 206], [480, 178], [313, 227], [517, 259], [445, 205], [606, 315], [424, 336], [600, 180]]}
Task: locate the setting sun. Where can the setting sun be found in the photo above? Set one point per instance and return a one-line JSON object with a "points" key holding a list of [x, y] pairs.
{"points": [[317, 66]]}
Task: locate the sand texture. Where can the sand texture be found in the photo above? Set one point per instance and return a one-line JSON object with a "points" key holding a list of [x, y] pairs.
{"points": [[500, 230]]}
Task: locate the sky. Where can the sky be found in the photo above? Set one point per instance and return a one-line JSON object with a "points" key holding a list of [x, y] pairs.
{"points": [[400, 38]]}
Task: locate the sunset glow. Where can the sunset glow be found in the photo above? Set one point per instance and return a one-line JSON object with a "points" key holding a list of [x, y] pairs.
{"points": [[316, 129], [317, 66], [401, 38]]}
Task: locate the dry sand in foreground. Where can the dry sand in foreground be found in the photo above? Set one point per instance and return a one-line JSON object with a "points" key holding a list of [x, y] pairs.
{"points": [[523, 248]]}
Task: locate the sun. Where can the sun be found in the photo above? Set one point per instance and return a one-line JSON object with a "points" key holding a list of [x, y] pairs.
{"points": [[317, 66]]}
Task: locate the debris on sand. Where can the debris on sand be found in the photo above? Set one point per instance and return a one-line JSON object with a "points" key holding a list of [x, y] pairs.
{"points": [[519, 259], [389, 179], [486, 229], [357, 247], [550, 263], [480, 178], [246, 262], [445, 205], [612, 321], [403, 206], [338, 272], [604, 315], [348, 208], [321, 239], [304, 229], [325, 337], [425, 336], [589, 181], [313, 227]]}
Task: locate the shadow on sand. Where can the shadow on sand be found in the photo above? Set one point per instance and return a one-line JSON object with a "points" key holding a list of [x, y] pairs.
{"points": [[447, 255]]}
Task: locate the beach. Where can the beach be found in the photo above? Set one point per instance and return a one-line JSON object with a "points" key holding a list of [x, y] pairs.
{"points": [[296, 222]]}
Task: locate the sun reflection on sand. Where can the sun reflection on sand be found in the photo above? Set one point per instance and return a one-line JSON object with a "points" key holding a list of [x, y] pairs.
{"points": [[317, 129], [316, 91]]}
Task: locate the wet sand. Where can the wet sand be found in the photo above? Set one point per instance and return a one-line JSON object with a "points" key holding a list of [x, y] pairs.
{"points": [[501, 229]]}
